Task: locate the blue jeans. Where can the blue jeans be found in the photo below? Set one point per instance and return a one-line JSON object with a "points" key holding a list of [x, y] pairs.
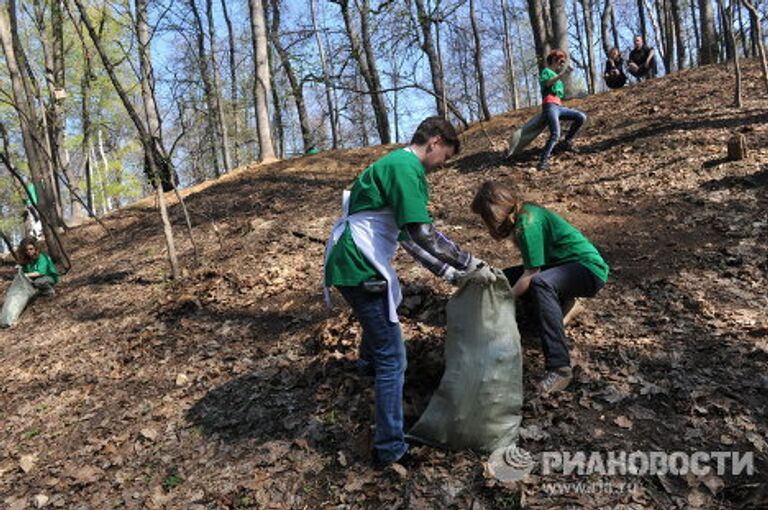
{"points": [[382, 351], [553, 113], [549, 289]]}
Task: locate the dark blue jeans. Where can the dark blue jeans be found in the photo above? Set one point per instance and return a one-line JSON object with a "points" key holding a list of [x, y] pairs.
{"points": [[382, 352], [549, 289], [553, 113]]}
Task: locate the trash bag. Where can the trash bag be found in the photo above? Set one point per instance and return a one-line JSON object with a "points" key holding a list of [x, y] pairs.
{"points": [[524, 135], [478, 403], [16, 298]]}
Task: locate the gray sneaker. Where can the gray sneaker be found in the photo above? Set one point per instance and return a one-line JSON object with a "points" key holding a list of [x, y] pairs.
{"points": [[555, 380]]}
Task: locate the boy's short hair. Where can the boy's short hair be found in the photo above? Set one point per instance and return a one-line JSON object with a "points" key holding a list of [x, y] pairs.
{"points": [[436, 126]]}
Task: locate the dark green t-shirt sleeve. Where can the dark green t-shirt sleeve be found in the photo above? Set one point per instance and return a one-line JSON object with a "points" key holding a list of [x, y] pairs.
{"points": [[530, 239], [48, 268], [409, 196]]}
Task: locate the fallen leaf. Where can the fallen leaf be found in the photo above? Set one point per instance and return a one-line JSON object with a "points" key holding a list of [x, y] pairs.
{"points": [[623, 422], [149, 433], [27, 462], [400, 470]]}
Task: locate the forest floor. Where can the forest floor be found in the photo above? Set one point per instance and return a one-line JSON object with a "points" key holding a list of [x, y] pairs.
{"points": [[234, 387]]}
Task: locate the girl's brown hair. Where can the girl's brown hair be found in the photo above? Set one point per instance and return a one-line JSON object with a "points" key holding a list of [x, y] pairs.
{"points": [[21, 251], [497, 204], [614, 53], [555, 56]]}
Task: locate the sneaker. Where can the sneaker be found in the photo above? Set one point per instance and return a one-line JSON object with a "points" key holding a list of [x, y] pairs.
{"points": [[407, 460], [556, 380], [542, 166], [568, 146]]}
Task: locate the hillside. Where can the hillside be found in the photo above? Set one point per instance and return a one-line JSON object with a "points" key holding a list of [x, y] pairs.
{"points": [[234, 387]]}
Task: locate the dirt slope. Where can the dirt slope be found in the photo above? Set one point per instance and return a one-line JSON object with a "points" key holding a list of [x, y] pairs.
{"points": [[234, 387]]}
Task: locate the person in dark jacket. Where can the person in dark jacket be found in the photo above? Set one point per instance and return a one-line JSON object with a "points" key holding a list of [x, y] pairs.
{"points": [[642, 60], [614, 70]]}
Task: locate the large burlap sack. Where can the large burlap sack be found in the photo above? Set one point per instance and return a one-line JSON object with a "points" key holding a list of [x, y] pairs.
{"points": [[524, 135], [16, 298], [480, 397]]}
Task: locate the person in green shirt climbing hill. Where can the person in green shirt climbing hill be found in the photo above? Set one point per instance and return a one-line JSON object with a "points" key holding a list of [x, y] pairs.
{"points": [[552, 94], [37, 266], [387, 206], [559, 265]]}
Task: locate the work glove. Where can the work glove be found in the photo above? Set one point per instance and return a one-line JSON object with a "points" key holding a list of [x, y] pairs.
{"points": [[482, 275]]}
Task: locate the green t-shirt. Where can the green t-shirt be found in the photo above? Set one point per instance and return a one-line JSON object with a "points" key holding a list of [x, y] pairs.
{"points": [[546, 239], [397, 181], [43, 265], [557, 89]]}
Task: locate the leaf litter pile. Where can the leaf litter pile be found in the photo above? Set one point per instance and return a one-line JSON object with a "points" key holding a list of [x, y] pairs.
{"points": [[235, 387]]}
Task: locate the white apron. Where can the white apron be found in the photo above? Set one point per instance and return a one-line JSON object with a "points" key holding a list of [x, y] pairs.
{"points": [[375, 233]]}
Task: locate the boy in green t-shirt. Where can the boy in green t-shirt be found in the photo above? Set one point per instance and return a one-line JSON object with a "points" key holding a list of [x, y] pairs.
{"points": [[387, 207], [559, 265], [552, 94]]}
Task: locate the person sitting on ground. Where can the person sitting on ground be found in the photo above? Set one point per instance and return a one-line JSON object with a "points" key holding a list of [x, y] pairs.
{"points": [[388, 204], [614, 70], [559, 265], [552, 93], [642, 60], [37, 266]]}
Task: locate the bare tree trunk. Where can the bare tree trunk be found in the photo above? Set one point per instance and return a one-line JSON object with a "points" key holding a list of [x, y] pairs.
{"points": [[366, 62], [32, 135], [737, 101], [742, 32], [560, 36], [226, 158], [589, 28], [696, 34], [539, 28], [708, 51], [329, 91], [641, 19], [428, 47], [529, 94], [755, 19], [262, 83], [659, 35], [478, 62], [297, 91], [233, 81], [213, 134], [509, 61], [605, 26], [277, 107], [85, 92], [680, 35], [614, 29], [104, 178], [724, 49]]}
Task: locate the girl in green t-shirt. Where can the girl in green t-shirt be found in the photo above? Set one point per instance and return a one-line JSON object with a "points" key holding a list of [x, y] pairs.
{"points": [[559, 265], [37, 266], [552, 94]]}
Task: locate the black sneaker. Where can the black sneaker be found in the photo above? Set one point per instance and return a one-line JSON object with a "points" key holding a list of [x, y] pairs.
{"points": [[407, 460], [569, 147]]}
